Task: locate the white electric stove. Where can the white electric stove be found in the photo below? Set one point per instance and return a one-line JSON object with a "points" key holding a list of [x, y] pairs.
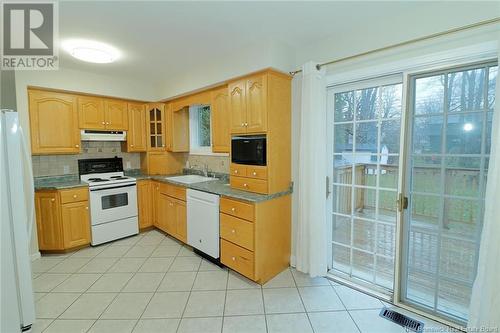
{"points": [[113, 199]]}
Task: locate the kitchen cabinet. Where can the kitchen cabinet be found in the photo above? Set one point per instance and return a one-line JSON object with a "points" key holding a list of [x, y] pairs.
{"points": [[53, 123], [170, 209], [221, 137], [76, 228], [248, 104], [255, 237], [136, 135], [91, 113], [97, 113], [178, 129], [62, 219], [116, 114], [161, 163], [261, 103], [156, 127], [145, 207]]}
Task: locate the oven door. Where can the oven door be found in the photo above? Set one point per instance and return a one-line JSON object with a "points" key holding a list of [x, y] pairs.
{"points": [[112, 204]]}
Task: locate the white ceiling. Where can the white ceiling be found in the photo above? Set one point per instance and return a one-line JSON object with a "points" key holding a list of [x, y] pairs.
{"points": [[162, 40]]}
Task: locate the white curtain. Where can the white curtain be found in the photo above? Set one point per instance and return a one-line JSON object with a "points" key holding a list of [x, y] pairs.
{"points": [[485, 301], [309, 226]]}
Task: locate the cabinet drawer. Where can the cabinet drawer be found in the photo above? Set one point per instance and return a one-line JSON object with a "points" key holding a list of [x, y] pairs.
{"points": [[249, 184], [163, 188], [238, 170], [236, 231], [74, 195], [177, 192], [237, 258], [259, 172], [237, 208]]}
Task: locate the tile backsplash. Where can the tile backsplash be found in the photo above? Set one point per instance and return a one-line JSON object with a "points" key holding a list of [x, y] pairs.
{"points": [[53, 165], [218, 164]]}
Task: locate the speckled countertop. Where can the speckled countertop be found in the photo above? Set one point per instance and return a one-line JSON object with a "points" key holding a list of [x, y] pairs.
{"points": [[220, 187], [58, 182]]}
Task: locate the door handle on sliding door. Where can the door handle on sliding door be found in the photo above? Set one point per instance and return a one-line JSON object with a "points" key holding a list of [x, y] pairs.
{"points": [[328, 187], [402, 202]]}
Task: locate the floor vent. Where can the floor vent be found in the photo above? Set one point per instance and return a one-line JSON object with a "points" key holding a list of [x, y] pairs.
{"points": [[400, 319]]}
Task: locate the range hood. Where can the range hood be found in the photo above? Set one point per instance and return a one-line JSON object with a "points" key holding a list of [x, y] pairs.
{"points": [[93, 135]]}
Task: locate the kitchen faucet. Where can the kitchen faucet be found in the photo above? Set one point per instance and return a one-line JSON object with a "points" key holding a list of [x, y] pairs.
{"points": [[205, 169]]}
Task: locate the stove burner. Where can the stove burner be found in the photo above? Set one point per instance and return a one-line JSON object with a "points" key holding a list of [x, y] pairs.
{"points": [[119, 177], [97, 180]]}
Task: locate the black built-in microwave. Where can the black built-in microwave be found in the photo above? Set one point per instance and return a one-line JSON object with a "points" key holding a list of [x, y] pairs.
{"points": [[249, 149]]}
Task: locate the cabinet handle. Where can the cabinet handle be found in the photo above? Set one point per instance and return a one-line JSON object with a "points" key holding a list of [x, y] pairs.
{"points": [[235, 171], [233, 231], [245, 185], [104, 123], [131, 145], [76, 146], [52, 200], [246, 124], [87, 208], [242, 124], [254, 173], [233, 258], [233, 209], [74, 196], [108, 123]]}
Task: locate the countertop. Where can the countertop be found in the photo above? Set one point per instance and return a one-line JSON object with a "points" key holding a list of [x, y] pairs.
{"points": [[220, 187]]}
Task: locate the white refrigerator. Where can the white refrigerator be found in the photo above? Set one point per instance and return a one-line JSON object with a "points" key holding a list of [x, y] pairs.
{"points": [[17, 306]]}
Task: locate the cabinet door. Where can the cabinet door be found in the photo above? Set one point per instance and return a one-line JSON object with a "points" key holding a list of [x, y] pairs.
{"points": [[156, 127], [181, 220], [136, 135], [145, 203], [116, 115], [48, 221], [163, 212], [171, 218], [221, 137], [53, 123], [169, 127], [179, 129], [91, 112], [256, 96], [76, 224], [237, 106], [155, 192]]}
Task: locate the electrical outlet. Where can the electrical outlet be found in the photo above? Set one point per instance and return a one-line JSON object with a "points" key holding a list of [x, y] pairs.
{"points": [[66, 169], [128, 165]]}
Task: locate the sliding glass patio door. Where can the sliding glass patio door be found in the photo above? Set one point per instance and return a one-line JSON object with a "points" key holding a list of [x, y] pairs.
{"points": [[448, 149], [366, 126], [428, 143]]}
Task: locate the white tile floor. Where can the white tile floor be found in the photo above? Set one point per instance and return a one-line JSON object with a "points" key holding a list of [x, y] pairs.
{"points": [[151, 283]]}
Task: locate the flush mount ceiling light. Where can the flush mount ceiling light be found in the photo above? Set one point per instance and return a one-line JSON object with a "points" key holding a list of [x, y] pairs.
{"points": [[91, 51]]}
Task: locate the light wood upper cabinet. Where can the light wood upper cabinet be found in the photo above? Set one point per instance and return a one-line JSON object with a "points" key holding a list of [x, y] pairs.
{"points": [[53, 123], [238, 106], [116, 115], [256, 96], [156, 126], [136, 135], [248, 104], [221, 137], [178, 128], [48, 221], [76, 226], [91, 112]]}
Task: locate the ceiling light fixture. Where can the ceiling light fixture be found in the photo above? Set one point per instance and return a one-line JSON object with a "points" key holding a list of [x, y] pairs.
{"points": [[91, 51]]}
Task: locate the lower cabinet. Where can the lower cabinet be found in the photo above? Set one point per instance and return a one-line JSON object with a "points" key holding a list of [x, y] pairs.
{"points": [[62, 219], [145, 209], [255, 237], [170, 216]]}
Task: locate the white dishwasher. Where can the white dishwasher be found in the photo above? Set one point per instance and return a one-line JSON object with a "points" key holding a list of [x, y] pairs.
{"points": [[203, 222]]}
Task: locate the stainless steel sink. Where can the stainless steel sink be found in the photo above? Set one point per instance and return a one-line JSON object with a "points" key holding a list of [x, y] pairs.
{"points": [[190, 179]]}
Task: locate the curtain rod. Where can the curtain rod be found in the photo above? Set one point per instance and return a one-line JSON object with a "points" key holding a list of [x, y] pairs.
{"points": [[411, 41]]}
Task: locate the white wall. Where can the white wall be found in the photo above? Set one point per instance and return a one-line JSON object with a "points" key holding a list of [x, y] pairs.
{"points": [[80, 82], [243, 61]]}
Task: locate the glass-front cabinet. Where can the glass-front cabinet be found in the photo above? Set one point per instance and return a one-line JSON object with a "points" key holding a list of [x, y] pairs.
{"points": [[156, 126]]}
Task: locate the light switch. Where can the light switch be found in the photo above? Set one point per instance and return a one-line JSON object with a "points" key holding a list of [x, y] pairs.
{"points": [[128, 165]]}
